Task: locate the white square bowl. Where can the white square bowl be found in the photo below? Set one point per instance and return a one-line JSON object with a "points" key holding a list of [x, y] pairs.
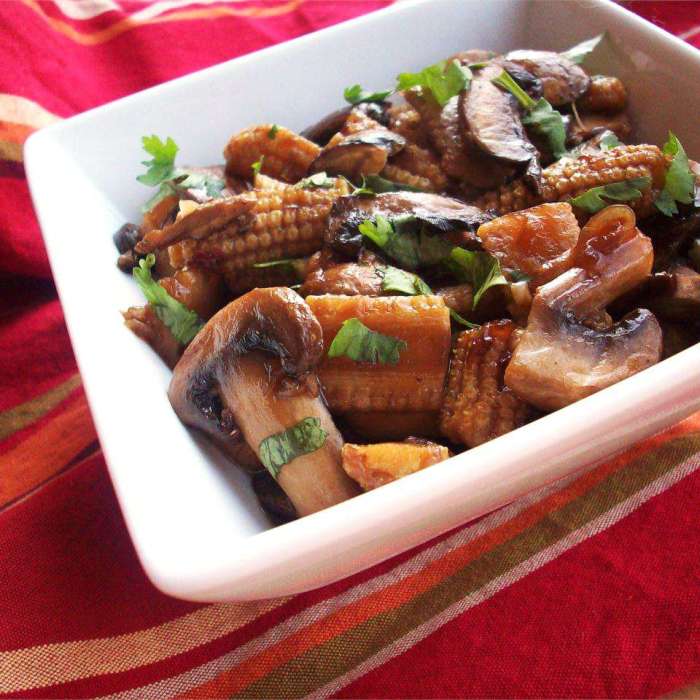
{"points": [[193, 517]]}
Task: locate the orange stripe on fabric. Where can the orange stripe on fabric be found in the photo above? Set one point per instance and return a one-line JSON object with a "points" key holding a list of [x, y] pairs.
{"points": [[124, 25], [47, 451], [234, 680], [9, 150], [15, 133]]}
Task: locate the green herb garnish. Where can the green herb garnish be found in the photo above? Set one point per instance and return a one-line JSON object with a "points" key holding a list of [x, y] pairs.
{"points": [[293, 265], [316, 181], [272, 133], [282, 448], [444, 80], [257, 166], [460, 319], [170, 180], [680, 181], [355, 94], [405, 240], [578, 53], [624, 191], [539, 115], [403, 282], [183, 323], [359, 343], [478, 268]]}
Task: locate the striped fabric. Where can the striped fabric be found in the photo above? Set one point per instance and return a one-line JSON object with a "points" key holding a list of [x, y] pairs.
{"points": [[588, 588]]}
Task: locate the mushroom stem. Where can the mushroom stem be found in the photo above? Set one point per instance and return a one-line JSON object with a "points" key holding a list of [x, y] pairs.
{"points": [[254, 361], [249, 388]]}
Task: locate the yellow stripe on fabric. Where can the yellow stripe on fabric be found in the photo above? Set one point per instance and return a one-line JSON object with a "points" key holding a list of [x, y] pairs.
{"points": [[20, 110], [128, 23], [14, 419], [51, 664]]}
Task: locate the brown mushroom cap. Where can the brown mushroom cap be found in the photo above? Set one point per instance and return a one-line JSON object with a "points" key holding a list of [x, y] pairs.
{"points": [[452, 217], [263, 348], [358, 154], [322, 131], [491, 119], [560, 358], [563, 81]]}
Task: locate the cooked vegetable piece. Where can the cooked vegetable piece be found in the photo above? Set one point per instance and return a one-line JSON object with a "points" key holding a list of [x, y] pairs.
{"points": [[198, 289], [415, 382], [272, 498], [494, 124], [359, 343], [539, 115], [143, 322], [682, 301], [418, 168], [589, 124], [380, 426], [477, 406], [405, 120], [562, 80], [442, 219], [272, 274], [612, 256], [347, 278], [375, 465], [538, 242], [605, 94], [569, 178], [276, 224], [256, 359], [287, 157]]}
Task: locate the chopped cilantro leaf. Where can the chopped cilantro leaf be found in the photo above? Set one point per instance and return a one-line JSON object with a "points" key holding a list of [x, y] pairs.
{"points": [[183, 323], [272, 133], [624, 191], [680, 180], [578, 53], [444, 80], [282, 448], [478, 268], [359, 343], [355, 95]]}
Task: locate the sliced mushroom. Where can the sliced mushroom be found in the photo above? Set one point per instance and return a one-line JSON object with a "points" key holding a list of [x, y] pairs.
{"points": [[359, 154], [450, 217], [681, 300], [563, 81], [346, 278], [322, 132], [589, 125], [256, 359], [490, 115], [559, 358]]}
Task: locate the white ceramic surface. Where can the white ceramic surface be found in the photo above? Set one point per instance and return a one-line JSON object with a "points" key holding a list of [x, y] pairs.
{"points": [[193, 518]]}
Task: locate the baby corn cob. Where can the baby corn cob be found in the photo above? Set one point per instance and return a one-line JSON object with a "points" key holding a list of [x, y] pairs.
{"points": [[283, 154], [605, 94], [417, 167], [376, 465], [415, 382], [404, 120], [477, 406], [287, 223], [569, 178], [241, 280]]}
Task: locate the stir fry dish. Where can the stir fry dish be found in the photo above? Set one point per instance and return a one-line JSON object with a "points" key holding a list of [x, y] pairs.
{"points": [[422, 271]]}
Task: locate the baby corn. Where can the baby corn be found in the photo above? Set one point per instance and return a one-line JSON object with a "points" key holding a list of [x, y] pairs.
{"points": [[415, 382], [569, 178], [283, 154], [477, 406]]}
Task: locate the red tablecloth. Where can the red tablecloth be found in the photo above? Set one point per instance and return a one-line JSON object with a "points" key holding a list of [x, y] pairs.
{"points": [[589, 588]]}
